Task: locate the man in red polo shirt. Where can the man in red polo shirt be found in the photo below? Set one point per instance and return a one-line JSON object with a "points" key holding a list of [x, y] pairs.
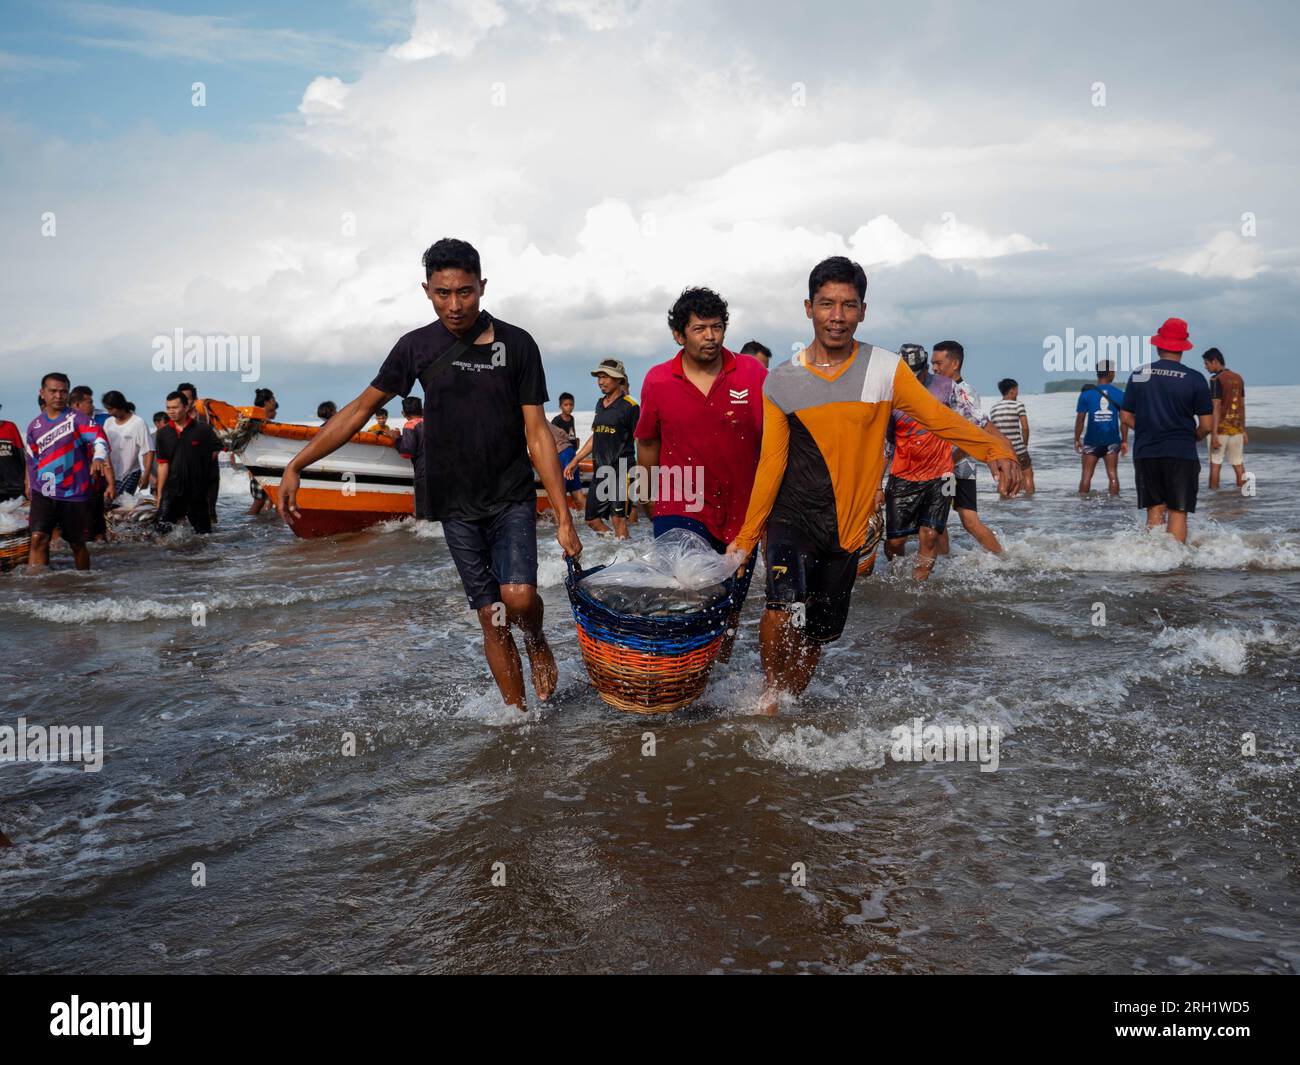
{"points": [[701, 425]]}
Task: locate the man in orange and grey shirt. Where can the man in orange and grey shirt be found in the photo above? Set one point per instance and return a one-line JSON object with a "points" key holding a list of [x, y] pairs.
{"points": [[824, 419], [1228, 432]]}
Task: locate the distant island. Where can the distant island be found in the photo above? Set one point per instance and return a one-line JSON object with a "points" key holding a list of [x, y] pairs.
{"points": [[1072, 385]]}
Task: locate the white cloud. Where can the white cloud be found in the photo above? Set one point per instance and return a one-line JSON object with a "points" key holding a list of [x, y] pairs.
{"points": [[449, 27], [323, 95], [595, 14], [1225, 255], [630, 160]]}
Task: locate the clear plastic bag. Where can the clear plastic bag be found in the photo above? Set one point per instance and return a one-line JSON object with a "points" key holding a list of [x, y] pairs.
{"points": [[679, 573]]}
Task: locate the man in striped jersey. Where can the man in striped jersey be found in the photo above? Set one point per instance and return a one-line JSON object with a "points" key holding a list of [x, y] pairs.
{"points": [[64, 450], [1008, 414], [824, 418]]}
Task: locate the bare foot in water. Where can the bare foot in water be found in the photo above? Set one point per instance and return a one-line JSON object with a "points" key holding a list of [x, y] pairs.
{"points": [[541, 663], [769, 703]]}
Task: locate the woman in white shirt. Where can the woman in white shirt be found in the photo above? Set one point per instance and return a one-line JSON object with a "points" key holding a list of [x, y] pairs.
{"points": [[130, 441]]}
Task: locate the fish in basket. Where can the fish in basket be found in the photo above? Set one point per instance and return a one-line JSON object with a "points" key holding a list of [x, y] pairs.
{"points": [[650, 629]]}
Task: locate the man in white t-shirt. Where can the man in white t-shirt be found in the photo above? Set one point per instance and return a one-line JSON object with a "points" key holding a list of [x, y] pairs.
{"points": [[130, 441], [947, 358]]}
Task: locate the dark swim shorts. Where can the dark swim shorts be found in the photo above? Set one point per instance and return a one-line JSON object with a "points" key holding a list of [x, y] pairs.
{"points": [[490, 552]]}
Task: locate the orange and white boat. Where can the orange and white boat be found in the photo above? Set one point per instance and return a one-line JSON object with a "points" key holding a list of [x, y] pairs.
{"points": [[363, 483]]}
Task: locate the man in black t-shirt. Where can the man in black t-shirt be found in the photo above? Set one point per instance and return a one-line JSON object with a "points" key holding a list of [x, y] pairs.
{"points": [[612, 450], [483, 415], [186, 451], [214, 485]]}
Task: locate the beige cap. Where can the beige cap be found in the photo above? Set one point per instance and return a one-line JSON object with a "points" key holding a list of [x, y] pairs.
{"points": [[611, 368]]}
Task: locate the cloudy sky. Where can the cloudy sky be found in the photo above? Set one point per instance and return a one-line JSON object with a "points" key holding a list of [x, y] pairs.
{"points": [[1004, 173]]}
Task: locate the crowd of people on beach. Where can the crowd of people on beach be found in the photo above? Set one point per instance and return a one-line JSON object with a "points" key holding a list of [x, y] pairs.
{"points": [[818, 458]]}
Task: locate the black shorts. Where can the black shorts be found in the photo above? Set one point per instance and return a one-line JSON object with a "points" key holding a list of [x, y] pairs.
{"points": [[1100, 451], [490, 552], [1167, 482], [191, 505], [604, 481], [820, 582], [74, 518], [911, 504], [966, 497]]}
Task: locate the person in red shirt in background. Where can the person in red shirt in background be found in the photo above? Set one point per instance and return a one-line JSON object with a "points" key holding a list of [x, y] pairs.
{"points": [[13, 462], [701, 428]]}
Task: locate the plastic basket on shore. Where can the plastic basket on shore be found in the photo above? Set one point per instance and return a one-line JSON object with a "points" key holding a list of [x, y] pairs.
{"points": [[651, 665], [13, 549]]}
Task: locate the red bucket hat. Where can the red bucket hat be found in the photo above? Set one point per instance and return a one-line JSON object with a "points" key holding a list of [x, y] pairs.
{"points": [[1172, 336]]}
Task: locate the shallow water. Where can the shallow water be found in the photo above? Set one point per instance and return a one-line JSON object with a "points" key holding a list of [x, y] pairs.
{"points": [[1120, 744]]}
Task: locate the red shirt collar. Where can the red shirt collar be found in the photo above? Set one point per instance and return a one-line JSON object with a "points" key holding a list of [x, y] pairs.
{"points": [[181, 428], [728, 362]]}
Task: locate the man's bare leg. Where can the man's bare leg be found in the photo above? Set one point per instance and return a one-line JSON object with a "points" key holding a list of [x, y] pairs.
{"points": [[38, 551], [1112, 471], [524, 608], [1216, 468], [80, 555], [1155, 516], [1240, 471], [620, 527], [896, 548], [1177, 524], [943, 542], [970, 521], [502, 655], [925, 556], [789, 659], [597, 526], [1029, 482], [1085, 478]]}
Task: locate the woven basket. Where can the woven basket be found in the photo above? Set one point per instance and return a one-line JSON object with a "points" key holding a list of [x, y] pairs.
{"points": [[13, 549], [651, 665]]}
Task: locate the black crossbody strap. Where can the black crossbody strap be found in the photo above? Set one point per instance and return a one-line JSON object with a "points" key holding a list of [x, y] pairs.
{"points": [[456, 350]]}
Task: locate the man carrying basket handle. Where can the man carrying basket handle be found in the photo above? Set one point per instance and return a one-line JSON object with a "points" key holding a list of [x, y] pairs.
{"points": [[701, 428], [484, 390], [824, 418]]}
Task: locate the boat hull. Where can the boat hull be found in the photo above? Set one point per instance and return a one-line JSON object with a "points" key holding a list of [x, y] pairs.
{"points": [[365, 482]]}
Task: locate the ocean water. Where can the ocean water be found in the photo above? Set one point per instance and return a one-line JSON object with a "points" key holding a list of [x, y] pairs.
{"points": [[794, 844]]}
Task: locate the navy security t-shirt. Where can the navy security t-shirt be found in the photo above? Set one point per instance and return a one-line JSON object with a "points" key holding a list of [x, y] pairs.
{"points": [[475, 450], [1101, 404], [1165, 400]]}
